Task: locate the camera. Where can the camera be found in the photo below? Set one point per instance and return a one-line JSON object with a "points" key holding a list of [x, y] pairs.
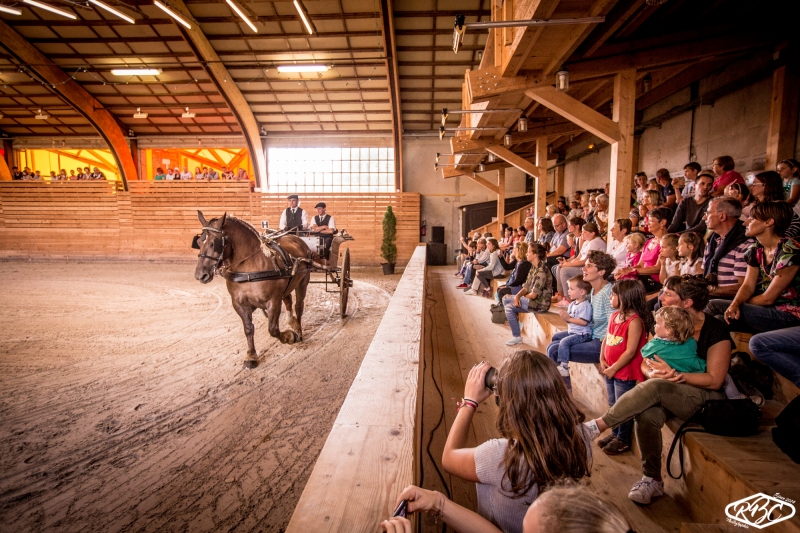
{"points": [[491, 379]]}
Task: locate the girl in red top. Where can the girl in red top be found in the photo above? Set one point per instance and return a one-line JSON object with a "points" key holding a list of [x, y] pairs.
{"points": [[621, 354]]}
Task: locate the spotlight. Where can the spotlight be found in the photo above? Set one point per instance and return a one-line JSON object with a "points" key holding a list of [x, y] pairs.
{"points": [[481, 167], [187, 114], [562, 80], [441, 132], [591, 146], [458, 32], [507, 139], [437, 156], [139, 113], [490, 158], [263, 131], [444, 115], [522, 123]]}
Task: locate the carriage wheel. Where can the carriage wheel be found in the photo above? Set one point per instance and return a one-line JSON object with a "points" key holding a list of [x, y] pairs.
{"points": [[344, 283]]}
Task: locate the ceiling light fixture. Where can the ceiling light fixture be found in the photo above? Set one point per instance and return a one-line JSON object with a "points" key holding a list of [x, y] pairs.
{"points": [[507, 139], [481, 168], [110, 9], [51, 9], [41, 116], [562, 80], [242, 15], [136, 71], [490, 158], [10, 10], [303, 68], [139, 113], [522, 124], [304, 15], [647, 83], [187, 114], [171, 13]]}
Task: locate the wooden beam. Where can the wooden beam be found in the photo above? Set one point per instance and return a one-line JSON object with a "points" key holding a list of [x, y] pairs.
{"points": [[486, 183], [684, 78], [462, 144], [579, 113], [622, 152], [522, 164], [390, 52], [501, 197], [5, 172], [540, 197], [72, 93], [515, 54], [486, 83], [560, 182], [218, 75], [782, 130], [575, 36], [550, 130], [617, 17]]}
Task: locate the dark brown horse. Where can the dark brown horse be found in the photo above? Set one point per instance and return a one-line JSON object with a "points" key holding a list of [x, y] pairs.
{"points": [[235, 246]]}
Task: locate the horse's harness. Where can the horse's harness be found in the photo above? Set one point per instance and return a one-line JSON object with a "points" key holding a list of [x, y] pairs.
{"points": [[290, 264]]}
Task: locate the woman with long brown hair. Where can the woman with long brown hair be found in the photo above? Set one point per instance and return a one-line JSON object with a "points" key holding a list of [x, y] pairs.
{"points": [[542, 441]]}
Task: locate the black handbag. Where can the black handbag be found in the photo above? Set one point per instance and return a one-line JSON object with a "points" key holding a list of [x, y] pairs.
{"points": [[729, 418]]}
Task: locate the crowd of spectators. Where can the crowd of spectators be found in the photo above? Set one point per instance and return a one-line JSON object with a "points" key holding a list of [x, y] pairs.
{"points": [[172, 174], [653, 299], [26, 174]]}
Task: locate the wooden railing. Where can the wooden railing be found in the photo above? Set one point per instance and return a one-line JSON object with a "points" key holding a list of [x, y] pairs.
{"points": [[156, 220], [369, 456]]}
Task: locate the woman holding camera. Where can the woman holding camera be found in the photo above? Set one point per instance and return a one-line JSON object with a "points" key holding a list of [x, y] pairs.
{"points": [[542, 441]]}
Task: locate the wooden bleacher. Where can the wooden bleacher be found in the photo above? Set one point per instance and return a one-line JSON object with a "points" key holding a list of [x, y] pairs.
{"points": [[719, 470], [370, 453]]}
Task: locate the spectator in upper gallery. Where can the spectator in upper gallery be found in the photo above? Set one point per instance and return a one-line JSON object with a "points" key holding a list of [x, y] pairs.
{"points": [[212, 174], [16, 174], [724, 255], [62, 175], [160, 174], [186, 175], [79, 174], [53, 176], [689, 214], [37, 176], [226, 174], [72, 175], [198, 174], [723, 167], [768, 187], [86, 173], [96, 174], [668, 191], [241, 174], [690, 173], [170, 174]]}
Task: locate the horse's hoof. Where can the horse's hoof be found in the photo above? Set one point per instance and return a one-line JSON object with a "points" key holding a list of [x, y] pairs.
{"points": [[250, 363], [296, 337]]}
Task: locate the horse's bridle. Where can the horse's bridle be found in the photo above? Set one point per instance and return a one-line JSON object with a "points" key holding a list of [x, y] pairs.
{"points": [[219, 249]]}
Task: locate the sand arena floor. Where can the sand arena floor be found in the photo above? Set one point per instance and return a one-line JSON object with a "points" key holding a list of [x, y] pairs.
{"points": [[124, 405]]}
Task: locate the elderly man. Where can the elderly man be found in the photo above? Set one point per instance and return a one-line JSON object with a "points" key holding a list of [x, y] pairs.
{"points": [[96, 174], [293, 216], [559, 247], [529, 224], [725, 250], [691, 210], [186, 175]]}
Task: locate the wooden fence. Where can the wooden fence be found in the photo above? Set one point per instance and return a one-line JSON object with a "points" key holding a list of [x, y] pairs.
{"points": [[156, 220]]}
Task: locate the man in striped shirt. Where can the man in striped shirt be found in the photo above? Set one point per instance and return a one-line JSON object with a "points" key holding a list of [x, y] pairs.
{"points": [[725, 250]]}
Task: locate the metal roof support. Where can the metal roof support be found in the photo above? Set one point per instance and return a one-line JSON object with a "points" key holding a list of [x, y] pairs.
{"points": [[68, 89]]}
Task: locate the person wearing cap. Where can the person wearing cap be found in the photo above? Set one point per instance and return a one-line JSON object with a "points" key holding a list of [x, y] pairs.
{"points": [[293, 216], [322, 222]]}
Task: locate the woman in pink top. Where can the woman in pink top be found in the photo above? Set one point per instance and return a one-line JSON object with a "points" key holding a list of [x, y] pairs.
{"points": [[723, 167]]}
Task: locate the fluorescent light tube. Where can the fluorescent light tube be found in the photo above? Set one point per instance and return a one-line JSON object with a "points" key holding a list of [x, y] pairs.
{"points": [[10, 10], [139, 114], [303, 16], [242, 15], [303, 68], [136, 71], [52, 9], [172, 14], [110, 9]]}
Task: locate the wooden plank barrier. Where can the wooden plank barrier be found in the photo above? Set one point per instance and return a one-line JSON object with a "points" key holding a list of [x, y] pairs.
{"points": [[370, 456], [156, 220]]}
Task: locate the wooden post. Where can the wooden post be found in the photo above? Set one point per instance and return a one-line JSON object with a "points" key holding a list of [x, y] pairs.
{"points": [[560, 182], [540, 198], [135, 155], [622, 152], [501, 197], [782, 116], [8, 147], [5, 171], [390, 51]]}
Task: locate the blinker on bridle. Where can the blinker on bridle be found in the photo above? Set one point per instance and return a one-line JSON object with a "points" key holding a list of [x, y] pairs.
{"points": [[218, 246]]}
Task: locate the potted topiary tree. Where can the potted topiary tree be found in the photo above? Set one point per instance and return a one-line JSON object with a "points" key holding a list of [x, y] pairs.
{"points": [[388, 248]]}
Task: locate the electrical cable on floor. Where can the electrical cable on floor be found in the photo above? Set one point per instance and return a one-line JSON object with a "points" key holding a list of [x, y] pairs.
{"points": [[429, 314]]}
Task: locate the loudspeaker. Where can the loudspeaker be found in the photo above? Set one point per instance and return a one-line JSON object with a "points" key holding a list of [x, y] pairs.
{"points": [[437, 234], [437, 254]]}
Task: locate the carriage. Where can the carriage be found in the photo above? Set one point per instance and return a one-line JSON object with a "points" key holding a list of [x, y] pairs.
{"points": [[336, 264]]}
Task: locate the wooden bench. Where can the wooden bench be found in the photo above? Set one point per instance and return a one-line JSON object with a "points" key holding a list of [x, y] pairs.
{"points": [[717, 470], [369, 457]]}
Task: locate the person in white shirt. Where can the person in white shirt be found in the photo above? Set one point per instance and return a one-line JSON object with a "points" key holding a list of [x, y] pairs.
{"points": [[170, 175], [619, 250], [293, 216], [212, 174], [322, 222], [186, 175], [96, 174]]}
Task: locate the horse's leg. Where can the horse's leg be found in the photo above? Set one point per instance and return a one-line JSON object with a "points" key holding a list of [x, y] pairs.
{"points": [[246, 314], [299, 304], [274, 315], [292, 322]]}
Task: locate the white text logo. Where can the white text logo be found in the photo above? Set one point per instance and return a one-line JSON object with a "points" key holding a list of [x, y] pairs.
{"points": [[760, 510]]}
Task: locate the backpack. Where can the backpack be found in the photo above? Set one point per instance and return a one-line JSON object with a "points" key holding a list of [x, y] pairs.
{"points": [[498, 313], [729, 418]]}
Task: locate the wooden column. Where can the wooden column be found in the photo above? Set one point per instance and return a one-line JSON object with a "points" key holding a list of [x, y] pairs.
{"points": [[135, 155], [73, 94], [782, 116], [621, 177], [501, 197], [390, 51], [8, 148], [560, 182], [540, 199], [5, 170]]}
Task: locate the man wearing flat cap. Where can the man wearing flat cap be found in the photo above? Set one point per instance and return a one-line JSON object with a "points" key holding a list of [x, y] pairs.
{"points": [[293, 216], [323, 222]]}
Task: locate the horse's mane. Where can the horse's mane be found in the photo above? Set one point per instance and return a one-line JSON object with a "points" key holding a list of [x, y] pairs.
{"points": [[249, 228]]}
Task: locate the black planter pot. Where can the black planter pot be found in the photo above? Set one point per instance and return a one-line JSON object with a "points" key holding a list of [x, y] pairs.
{"points": [[388, 268]]}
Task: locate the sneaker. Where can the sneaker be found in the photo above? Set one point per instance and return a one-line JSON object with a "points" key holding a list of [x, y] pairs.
{"points": [[487, 293], [615, 447], [563, 370], [462, 286], [643, 491], [470, 292], [514, 341], [602, 443], [562, 303]]}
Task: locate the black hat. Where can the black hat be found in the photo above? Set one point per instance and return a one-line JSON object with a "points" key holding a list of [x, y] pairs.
{"points": [[321, 204], [292, 197]]}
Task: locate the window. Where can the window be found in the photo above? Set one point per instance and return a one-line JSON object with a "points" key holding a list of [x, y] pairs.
{"points": [[331, 170]]}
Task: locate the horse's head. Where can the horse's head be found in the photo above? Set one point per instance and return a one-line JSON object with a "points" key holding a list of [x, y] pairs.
{"points": [[212, 243]]}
